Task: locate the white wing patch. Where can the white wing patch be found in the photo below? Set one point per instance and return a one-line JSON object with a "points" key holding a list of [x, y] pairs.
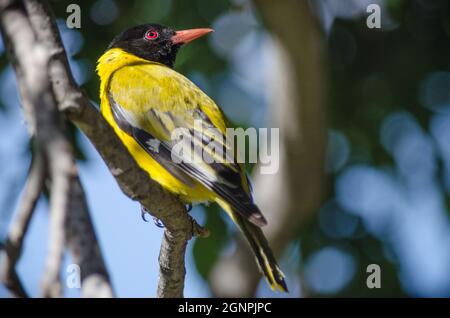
{"points": [[153, 144]]}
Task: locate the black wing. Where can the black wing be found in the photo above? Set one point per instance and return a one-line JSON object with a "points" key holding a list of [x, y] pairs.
{"points": [[223, 179]]}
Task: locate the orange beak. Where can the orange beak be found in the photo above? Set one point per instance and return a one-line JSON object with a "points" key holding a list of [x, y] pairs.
{"points": [[186, 36]]}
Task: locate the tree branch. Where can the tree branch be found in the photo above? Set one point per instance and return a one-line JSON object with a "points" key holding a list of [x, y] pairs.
{"points": [[84, 248], [171, 279], [30, 60], [48, 136], [133, 181], [14, 241], [62, 169]]}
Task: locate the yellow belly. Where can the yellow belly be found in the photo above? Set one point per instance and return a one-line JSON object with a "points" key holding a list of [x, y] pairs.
{"points": [[195, 194]]}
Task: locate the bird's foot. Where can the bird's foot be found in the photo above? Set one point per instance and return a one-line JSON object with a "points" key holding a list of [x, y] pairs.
{"points": [[156, 221], [189, 207]]}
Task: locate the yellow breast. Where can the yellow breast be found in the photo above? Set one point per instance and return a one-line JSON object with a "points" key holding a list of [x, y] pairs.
{"points": [[109, 63]]}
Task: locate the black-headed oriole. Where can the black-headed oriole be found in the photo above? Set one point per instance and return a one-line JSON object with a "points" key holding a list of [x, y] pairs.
{"points": [[145, 100]]}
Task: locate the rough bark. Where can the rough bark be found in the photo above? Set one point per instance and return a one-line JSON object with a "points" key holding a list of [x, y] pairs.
{"points": [[14, 242], [30, 60], [36, 22]]}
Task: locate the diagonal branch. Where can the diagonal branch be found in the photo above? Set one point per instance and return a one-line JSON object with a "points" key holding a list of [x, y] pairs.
{"points": [[133, 181], [30, 60], [85, 248], [14, 241], [49, 137], [171, 273]]}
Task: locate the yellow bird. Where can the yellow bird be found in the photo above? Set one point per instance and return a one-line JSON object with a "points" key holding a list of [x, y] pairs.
{"points": [[146, 101]]}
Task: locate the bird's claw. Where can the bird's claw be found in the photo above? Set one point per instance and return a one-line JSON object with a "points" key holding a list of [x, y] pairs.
{"points": [[144, 211], [157, 221]]}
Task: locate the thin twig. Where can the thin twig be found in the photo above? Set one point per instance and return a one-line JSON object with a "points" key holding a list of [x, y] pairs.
{"points": [[14, 241]]}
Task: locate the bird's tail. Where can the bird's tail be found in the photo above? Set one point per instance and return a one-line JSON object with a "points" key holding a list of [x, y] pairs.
{"points": [[262, 251]]}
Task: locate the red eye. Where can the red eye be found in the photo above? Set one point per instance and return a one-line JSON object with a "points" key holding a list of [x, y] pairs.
{"points": [[151, 35]]}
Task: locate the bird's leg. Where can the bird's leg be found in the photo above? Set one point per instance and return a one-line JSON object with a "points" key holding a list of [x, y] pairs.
{"points": [[198, 229]]}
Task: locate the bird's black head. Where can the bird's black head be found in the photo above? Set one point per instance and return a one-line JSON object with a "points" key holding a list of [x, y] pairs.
{"points": [[155, 42]]}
